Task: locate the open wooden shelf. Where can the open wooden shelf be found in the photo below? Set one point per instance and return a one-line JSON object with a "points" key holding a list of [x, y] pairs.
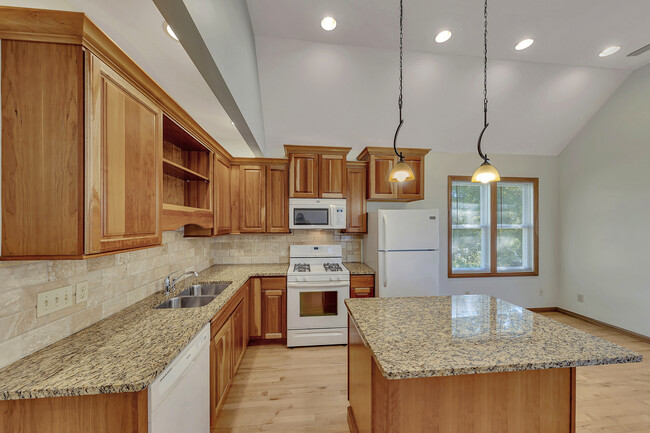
{"points": [[173, 169]]}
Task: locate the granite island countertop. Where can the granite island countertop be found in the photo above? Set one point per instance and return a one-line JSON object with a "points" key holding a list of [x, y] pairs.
{"points": [[126, 351], [470, 334], [357, 268]]}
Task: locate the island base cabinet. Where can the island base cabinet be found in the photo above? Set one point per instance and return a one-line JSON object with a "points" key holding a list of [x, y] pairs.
{"points": [[534, 401]]}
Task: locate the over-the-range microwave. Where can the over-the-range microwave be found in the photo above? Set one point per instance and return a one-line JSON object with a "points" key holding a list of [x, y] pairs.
{"points": [[317, 213]]}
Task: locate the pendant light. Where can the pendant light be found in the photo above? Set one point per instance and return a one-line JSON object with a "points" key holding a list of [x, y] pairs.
{"points": [[486, 172], [402, 171]]}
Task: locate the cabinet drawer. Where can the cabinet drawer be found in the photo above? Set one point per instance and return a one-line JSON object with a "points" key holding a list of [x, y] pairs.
{"points": [[362, 281], [274, 283], [362, 292]]}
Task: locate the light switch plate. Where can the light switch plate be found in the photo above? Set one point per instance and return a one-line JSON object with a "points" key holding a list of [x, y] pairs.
{"points": [[54, 300], [82, 292]]}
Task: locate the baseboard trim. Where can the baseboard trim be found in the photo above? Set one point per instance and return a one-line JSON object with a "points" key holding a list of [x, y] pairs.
{"points": [[627, 332]]}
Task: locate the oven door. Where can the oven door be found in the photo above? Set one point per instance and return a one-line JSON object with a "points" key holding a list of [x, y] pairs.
{"points": [[316, 305]]}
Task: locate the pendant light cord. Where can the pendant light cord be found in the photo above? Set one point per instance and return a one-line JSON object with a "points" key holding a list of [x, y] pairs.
{"points": [[485, 97], [399, 100]]}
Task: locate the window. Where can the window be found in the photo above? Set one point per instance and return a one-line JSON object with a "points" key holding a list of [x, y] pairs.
{"points": [[493, 228]]}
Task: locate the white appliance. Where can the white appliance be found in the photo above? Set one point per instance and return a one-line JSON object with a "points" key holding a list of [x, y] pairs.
{"points": [[317, 286], [402, 245], [317, 213], [179, 399]]}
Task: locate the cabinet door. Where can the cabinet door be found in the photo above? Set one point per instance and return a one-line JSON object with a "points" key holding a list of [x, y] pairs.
{"points": [[356, 200], [414, 189], [277, 199], [379, 188], [221, 371], [273, 314], [303, 175], [252, 197], [42, 149], [362, 286], [255, 308], [123, 163], [239, 325], [221, 196], [332, 174]]}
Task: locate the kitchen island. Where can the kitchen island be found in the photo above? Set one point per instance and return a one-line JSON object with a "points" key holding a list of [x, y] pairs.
{"points": [[463, 364]]}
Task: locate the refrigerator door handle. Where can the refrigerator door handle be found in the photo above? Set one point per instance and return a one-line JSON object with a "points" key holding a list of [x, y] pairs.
{"points": [[384, 223], [385, 269]]}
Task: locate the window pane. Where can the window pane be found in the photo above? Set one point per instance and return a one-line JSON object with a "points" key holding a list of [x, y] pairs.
{"points": [[510, 204], [509, 248], [466, 251], [466, 203]]}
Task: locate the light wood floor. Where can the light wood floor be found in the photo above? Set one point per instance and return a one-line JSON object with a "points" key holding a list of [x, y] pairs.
{"points": [[305, 390]]}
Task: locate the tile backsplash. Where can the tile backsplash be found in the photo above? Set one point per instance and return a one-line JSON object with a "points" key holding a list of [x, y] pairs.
{"points": [[120, 280]]}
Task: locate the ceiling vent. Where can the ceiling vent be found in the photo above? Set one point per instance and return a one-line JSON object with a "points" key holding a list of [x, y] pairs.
{"points": [[639, 51]]}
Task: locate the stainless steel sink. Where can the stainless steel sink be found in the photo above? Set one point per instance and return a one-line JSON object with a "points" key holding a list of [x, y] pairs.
{"points": [[211, 289], [186, 302]]}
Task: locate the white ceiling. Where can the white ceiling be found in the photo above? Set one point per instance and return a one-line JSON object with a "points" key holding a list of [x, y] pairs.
{"points": [[567, 32], [137, 27]]}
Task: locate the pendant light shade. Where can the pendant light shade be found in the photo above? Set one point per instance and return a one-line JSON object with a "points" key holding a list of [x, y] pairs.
{"points": [[402, 172], [486, 173]]}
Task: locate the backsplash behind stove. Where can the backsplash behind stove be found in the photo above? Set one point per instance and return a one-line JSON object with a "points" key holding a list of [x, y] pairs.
{"points": [[244, 249]]}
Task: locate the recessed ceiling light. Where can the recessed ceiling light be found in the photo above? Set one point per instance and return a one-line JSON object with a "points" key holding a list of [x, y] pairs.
{"points": [[522, 45], [609, 51], [169, 31], [328, 24], [443, 36], [233, 123]]}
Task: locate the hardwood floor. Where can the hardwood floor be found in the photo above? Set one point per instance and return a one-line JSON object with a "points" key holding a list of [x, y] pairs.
{"points": [[305, 390]]}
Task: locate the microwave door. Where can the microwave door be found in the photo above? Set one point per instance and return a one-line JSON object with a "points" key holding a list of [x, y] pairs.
{"points": [[304, 217]]}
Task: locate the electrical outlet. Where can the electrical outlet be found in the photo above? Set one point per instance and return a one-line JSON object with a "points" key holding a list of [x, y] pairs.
{"points": [[581, 297], [54, 300], [541, 292], [82, 292]]}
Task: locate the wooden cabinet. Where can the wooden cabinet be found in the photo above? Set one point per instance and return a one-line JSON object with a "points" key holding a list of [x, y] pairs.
{"points": [[240, 333], [42, 149], [221, 366], [268, 312], [316, 171], [252, 196], [357, 214], [123, 157], [303, 177], [332, 173], [380, 161], [221, 196], [362, 286], [277, 199]]}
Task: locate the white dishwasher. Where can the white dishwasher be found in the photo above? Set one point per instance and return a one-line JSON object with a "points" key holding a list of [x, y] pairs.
{"points": [[179, 399]]}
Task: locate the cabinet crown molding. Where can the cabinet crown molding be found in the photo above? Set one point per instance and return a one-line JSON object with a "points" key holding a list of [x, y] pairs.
{"points": [[321, 150], [407, 151]]}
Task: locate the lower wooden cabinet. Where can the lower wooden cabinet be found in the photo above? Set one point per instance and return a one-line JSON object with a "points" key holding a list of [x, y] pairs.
{"points": [[240, 333], [268, 308], [362, 286]]}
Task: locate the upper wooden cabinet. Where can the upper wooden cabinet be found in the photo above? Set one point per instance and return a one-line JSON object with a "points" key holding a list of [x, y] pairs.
{"points": [[123, 184], [380, 161], [356, 198], [221, 196], [316, 171], [277, 199], [252, 197]]}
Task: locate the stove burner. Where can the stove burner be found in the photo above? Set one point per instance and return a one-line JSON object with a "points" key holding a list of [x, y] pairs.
{"points": [[332, 267], [301, 267]]}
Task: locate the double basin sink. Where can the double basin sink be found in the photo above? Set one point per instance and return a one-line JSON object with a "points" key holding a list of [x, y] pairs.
{"points": [[196, 295]]}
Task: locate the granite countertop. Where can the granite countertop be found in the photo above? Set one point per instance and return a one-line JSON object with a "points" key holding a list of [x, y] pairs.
{"points": [[126, 351], [470, 334], [357, 268]]}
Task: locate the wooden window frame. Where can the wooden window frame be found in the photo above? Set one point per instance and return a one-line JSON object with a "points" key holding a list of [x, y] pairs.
{"points": [[493, 230]]}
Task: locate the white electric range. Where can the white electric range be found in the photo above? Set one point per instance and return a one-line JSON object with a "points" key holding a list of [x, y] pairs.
{"points": [[317, 285]]}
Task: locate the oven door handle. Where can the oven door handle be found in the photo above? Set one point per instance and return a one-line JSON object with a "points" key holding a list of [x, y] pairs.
{"points": [[319, 284]]}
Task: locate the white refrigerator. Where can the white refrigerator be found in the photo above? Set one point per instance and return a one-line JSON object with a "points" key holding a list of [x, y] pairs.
{"points": [[402, 246]]}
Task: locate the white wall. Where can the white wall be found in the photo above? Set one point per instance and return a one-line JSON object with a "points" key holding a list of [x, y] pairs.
{"points": [[326, 94], [519, 290], [605, 211]]}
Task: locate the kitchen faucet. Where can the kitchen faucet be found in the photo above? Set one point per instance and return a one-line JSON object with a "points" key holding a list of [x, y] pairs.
{"points": [[170, 282]]}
